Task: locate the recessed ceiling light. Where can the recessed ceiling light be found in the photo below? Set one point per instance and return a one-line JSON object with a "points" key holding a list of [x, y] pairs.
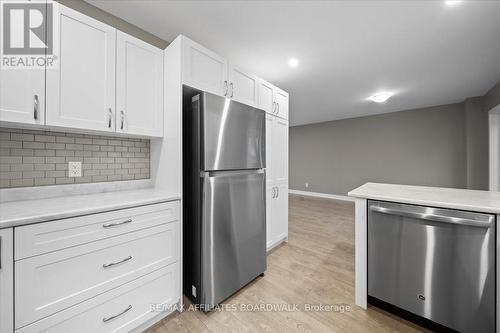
{"points": [[293, 62], [453, 2], [381, 97]]}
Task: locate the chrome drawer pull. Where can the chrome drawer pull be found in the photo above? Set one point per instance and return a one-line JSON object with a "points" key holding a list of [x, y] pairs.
{"points": [[117, 262], [110, 114], [106, 319], [115, 224], [35, 107]]}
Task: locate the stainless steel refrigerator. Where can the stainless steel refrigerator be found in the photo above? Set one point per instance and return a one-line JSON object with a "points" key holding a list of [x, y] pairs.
{"points": [[224, 203]]}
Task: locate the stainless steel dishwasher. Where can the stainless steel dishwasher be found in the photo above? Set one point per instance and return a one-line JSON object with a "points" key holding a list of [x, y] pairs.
{"points": [[436, 263]]}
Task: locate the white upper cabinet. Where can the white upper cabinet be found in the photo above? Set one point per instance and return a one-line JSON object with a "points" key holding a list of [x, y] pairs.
{"points": [[22, 96], [139, 87], [281, 99], [265, 96], [203, 69], [272, 99], [242, 86], [81, 92]]}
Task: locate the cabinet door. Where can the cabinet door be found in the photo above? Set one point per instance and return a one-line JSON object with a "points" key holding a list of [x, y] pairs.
{"points": [[279, 225], [269, 149], [270, 192], [281, 98], [22, 96], [279, 150], [6, 281], [242, 86], [81, 92], [203, 69], [265, 96], [139, 87]]}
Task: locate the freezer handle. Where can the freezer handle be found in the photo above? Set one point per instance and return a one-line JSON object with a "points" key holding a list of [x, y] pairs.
{"points": [[429, 216], [206, 174]]}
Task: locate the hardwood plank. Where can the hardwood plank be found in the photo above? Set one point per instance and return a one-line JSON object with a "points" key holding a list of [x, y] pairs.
{"points": [[316, 266]]}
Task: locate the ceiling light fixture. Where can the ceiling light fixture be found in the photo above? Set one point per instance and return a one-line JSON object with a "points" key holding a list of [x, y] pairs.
{"points": [[380, 97], [293, 62], [453, 2]]}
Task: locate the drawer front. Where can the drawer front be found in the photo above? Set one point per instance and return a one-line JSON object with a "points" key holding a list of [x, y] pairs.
{"points": [[52, 236], [55, 281], [131, 303]]}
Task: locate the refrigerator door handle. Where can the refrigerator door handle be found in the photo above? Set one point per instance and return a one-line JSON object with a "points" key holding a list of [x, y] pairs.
{"points": [[206, 174]]}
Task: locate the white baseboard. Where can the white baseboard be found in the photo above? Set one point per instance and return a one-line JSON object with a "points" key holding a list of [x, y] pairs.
{"points": [[322, 195]]}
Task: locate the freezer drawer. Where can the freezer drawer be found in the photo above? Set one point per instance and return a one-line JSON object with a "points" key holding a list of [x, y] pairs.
{"points": [[436, 263], [233, 232]]}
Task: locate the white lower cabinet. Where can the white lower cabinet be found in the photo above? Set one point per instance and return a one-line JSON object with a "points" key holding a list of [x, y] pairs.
{"points": [[279, 225], [276, 180], [97, 273], [6, 281], [119, 310]]}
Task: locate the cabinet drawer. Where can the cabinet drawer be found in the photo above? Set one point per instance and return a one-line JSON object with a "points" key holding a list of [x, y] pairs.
{"points": [[159, 287], [55, 281], [51, 236]]}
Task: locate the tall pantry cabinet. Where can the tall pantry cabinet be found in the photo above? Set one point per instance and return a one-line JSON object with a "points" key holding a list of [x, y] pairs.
{"points": [[191, 64]]}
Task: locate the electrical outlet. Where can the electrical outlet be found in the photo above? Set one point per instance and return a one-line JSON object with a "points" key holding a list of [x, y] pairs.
{"points": [[307, 185], [74, 169]]}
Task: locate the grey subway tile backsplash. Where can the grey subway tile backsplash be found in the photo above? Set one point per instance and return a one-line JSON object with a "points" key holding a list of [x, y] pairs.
{"points": [[37, 158]]}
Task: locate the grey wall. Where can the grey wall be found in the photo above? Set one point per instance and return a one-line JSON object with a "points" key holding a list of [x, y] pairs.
{"points": [[420, 147], [118, 23], [476, 144]]}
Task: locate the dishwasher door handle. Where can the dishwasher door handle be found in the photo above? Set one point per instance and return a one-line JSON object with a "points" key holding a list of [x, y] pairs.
{"points": [[429, 216]]}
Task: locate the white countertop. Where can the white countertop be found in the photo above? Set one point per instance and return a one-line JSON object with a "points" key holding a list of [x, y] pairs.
{"points": [[16, 213], [471, 200]]}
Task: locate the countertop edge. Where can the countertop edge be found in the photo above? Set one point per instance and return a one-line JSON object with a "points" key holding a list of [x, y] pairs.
{"points": [[21, 221], [472, 208]]}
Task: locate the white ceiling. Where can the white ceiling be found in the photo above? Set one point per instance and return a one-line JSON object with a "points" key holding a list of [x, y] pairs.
{"points": [[426, 52]]}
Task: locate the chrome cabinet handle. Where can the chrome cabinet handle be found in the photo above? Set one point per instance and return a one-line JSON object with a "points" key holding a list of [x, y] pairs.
{"points": [[123, 119], [117, 262], [232, 89], [277, 192], [35, 107], [433, 217], [110, 115], [225, 87], [274, 192], [115, 224], [278, 108], [106, 319]]}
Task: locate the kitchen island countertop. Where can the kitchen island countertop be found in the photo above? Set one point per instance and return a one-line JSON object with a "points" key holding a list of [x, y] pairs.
{"points": [[471, 200]]}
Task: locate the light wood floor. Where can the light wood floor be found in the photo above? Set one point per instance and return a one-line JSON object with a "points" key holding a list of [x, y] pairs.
{"points": [[316, 266]]}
